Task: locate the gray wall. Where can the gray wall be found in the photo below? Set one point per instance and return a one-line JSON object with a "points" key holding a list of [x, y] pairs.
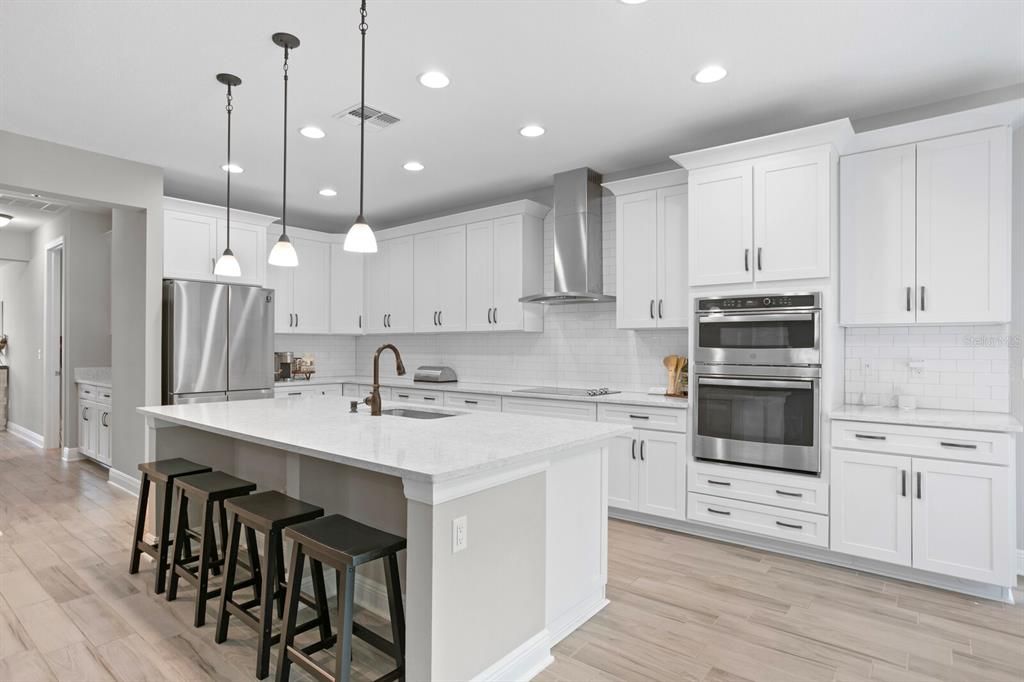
{"points": [[1017, 323], [33, 165]]}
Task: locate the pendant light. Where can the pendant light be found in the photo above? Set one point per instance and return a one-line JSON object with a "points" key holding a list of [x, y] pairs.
{"points": [[360, 237], [227, 264], [283, 254]]}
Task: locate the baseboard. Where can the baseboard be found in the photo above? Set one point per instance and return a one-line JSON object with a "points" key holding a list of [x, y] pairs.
{"points": [[71, 455], [825, 556], [568, 622], [31, 437], [123, 482], [522, 663]]}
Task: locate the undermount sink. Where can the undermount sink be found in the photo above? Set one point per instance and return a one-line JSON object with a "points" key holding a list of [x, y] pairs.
{"points": [[416, 414]]}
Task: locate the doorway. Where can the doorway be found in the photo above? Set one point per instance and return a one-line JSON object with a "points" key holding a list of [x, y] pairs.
{"points": [[53, 347]]}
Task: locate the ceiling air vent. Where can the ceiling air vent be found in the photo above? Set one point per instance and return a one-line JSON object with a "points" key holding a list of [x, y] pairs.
{"points": [[375, 118], [33, 204]]}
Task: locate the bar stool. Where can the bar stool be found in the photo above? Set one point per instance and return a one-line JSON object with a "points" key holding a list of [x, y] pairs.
{"points": [[206, 489], [161, 473], [269, 513], [342, 544]]}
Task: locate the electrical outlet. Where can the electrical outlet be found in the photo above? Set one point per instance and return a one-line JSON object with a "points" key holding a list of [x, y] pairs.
{"points": [[459, 538]]}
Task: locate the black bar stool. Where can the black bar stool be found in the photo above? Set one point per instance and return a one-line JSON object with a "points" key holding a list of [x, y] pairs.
{"points": [[342, 544], [161, 473], [269, 513], [206, 489]]}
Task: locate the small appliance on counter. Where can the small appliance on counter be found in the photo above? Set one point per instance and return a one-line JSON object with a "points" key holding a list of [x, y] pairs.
{"points": [[435, 374], [287, 367]]}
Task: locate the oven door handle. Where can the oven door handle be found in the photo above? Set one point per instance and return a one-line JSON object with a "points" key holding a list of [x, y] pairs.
{"points": [[757, 383], [757, 317]]}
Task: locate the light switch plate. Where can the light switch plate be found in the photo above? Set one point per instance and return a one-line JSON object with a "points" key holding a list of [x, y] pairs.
{"points": [[459, 537]]}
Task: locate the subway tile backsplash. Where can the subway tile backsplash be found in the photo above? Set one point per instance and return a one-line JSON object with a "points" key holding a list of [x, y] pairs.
{"points": [[954, 368]]}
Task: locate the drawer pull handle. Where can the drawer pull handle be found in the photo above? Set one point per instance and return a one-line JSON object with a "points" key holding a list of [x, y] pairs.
{"points": [[471, 402], [962, 446], [403, 395], [294, 394], [640, 416], [714, 482], [795, 526], [429, 397], [788, 494], [864, 436], [718, 511]]}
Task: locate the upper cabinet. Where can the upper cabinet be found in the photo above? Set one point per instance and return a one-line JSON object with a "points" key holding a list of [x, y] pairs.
{"points": [[194, 241], [762, 220], [303, 301], [651, 252], [504, 258], [389, 287], [346, 291], [440, 280], [925, 232]]}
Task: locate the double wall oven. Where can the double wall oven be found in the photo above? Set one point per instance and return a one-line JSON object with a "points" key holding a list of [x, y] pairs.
{"points": [[757, 373]]}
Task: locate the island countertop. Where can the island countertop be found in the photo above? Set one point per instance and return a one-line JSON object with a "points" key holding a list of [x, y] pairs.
{"points": [[429, 450]]}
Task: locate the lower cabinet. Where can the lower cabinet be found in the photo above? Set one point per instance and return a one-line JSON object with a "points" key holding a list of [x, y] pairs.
{"points": [[646, 473], [315, 391], [94, 423], [936, 515]]}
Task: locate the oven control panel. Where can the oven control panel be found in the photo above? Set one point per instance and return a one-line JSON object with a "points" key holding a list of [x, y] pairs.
{"points": [[759, 302]]}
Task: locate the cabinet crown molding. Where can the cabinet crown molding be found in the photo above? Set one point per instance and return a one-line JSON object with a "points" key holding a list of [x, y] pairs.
{"points": [[523, 207], [643, 183], [213, 211], [837, 133]]}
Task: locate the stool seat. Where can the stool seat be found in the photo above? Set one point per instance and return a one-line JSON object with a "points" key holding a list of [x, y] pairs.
{"points": [[344, 541], [164, 469], [214, 485], [272, 510]]}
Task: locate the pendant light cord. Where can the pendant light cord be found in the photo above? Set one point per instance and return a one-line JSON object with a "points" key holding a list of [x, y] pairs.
{"points": [[362, 107], [229, 108], [284, 170]]}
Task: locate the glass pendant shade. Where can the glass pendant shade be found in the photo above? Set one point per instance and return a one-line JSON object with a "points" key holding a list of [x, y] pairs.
{"points": [[283, 254], [227, 265], [360, 238]]}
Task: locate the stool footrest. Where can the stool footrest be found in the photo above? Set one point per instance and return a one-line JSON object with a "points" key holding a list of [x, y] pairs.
{"points": [[300, 658], [373, 639]]}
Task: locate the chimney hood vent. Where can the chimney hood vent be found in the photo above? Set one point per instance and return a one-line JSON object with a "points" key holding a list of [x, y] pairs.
{"points": [[578, 236]]}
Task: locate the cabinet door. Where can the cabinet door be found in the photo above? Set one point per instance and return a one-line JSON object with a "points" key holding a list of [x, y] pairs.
{"points": [[877, 237], [962, 520], [721, 225], [427, 274], [312, 287], [103, 436], [673, 265], [375, 292], [85, 413], [346, 291], [792, 215], [871, 506], [662, 473], [247, 242], [622, 472], [479, 275], [963, 228], [636, 241], [282, 281], [401, 269], [508, 273], [190, 246], [451, 279]]}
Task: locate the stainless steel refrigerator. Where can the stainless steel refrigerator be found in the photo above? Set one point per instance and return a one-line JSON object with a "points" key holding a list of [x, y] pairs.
{"points": [[218, 342]]}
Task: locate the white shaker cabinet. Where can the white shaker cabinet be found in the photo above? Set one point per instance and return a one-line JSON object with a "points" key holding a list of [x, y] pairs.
{"points": [[871, 505], [389, 287], [440, 276], [651, 248], [646, 473], [346, 291], [302, 303], [721, 224], [247, 245], [504, 258], [194, 242], [623, 491], [925, 232]]}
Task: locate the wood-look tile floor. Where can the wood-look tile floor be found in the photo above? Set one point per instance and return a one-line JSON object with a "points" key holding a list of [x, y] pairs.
{"points": [[682, 608]]}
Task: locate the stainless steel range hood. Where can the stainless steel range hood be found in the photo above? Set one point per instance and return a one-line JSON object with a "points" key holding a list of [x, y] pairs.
{"points": [[578, 275]]}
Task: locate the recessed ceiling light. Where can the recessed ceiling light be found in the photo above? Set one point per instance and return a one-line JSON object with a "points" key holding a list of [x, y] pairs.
{"points": [[434, 79], [632, 2], [312, 132], [5, 219], [531, 131], [414, 166], [232, 168], [328, 192], [710, 74]]}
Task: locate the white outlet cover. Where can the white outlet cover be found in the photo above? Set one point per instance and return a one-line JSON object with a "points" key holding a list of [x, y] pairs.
{"points": [[459, 534]]}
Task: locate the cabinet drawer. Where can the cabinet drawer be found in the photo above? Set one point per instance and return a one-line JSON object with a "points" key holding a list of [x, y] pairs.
{"points": [[791, 491], [566, 409], [657, 418], [981, 447], [97, 394], [784, 524], [360, 391], [415, 395], [473, 401], [289, 392]]}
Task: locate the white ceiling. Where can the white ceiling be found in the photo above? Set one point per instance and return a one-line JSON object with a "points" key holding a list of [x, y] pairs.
{"points": [[610, 82]]}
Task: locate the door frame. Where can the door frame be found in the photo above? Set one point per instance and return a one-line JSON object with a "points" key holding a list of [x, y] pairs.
{"points": [[54, 397]]}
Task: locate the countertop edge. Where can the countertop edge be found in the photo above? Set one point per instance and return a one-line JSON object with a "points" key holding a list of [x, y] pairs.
{"points": [[920, 417]]}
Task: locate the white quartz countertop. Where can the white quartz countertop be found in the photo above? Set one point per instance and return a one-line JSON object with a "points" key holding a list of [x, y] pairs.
{"points": [[431, 450], [950, 419], [624, 398], [96, 376]]}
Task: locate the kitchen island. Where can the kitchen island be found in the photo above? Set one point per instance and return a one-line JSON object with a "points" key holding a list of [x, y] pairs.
{"points": [[532, 491]]}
